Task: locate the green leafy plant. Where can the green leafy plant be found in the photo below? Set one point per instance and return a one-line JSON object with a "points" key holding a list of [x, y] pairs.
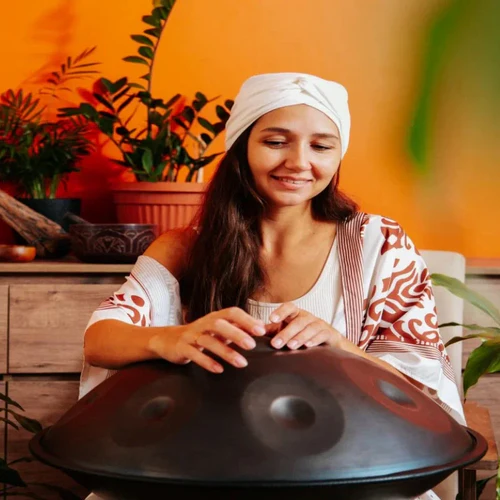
{"points": [[485, 358], [11, 413], [36, 153], [12, 417], [167, 142]]}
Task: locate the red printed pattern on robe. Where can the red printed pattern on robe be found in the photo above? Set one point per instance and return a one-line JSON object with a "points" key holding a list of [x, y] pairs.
{"points": [[394, 236], [407, 291], [134, 305]]}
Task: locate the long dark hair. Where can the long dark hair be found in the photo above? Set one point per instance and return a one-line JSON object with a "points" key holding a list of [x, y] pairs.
{"points": [[223, 267]]}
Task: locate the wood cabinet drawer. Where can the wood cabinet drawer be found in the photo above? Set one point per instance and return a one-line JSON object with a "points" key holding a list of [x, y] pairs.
{"points": [[47, 323], [4, 322], [45, 401]]}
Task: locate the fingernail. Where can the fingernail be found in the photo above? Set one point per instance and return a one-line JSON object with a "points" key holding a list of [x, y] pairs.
{"points": [[240, 361], [218, 369], [277, 343], [309, 344], [249, 343], [274, 318], [292, 344], [259, 330]]}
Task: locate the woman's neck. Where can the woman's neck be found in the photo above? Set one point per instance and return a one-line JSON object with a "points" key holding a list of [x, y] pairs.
{"points": [[286, 228]]}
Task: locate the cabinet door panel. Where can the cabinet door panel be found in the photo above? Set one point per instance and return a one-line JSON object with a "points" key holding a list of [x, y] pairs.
{"points": [[47, 323]]}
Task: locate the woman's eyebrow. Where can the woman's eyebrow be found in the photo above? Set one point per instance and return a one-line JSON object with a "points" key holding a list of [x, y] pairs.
{"points": [[319, 135]]}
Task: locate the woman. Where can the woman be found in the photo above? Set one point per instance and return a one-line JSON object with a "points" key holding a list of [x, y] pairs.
{"points": [[278, 250]]}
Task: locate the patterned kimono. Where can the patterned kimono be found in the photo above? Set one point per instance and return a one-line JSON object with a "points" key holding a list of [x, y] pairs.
{"points": [[386, 308]]}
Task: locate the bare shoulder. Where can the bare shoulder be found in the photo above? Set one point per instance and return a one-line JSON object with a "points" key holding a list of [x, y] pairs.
{"points": [[172, 248]]}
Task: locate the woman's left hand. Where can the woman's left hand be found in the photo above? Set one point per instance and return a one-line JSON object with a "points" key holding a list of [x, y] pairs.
{"points": [[297, 328]]}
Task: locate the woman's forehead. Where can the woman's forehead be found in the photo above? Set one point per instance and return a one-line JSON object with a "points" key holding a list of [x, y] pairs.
{"points": [[297, 118]]}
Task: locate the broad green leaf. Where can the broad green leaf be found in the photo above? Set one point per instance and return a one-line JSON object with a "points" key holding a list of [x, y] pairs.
{"points": [[146, 52], [122, 131], [125, 103], [172, 101], [201, 97], [456, 287], [136, 59], [142, 39], [110, 116], [108, 84], [481, 484], [29, 424], [197, 105], [206, 138], [88, 110], [221, 113], [137, 86], [160, 13], [9, 476], [10, 401], [104, 102], [188, 114], [120, 94], [483, 359], [206, 124], [152, 21], [26, 460], [147, 161], [494, 330], [119, 84], [9, 422], [481, 336], [180, 122], [156, 32], [219, 127]]}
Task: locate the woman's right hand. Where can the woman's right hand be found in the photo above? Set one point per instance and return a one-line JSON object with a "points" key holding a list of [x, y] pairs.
{"points": [[210, 334]]}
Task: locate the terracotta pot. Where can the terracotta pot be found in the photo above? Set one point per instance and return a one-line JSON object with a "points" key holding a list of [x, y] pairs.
{"points": [[167, 204]]}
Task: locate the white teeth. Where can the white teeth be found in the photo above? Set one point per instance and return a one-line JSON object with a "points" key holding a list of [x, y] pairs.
{"points": [[284, 179]]}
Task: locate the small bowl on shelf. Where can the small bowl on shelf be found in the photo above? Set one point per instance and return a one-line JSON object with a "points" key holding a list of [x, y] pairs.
{"points": [[17, 253], [111, 243]]}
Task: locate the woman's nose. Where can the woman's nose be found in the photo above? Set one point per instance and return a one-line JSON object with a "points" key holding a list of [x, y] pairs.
{"points": [[297, 158]]}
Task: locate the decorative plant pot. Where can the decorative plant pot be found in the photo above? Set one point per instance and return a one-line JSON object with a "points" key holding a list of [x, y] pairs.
{"points": [[168, 204]]}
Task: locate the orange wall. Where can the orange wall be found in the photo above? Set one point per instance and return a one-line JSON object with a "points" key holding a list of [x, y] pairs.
{"points": [[374, 48]]}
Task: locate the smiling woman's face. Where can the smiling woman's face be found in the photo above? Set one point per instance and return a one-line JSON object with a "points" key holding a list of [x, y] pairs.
{"points": [[293, 154]]}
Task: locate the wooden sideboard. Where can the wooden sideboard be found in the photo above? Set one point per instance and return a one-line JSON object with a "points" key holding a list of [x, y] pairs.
{"points": [[44, 308]]}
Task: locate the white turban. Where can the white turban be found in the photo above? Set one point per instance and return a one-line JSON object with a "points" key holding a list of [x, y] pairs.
{"points": [[263, 93]]}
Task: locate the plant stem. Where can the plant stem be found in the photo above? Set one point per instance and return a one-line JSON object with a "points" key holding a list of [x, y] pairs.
{"points": [[151, 68]]}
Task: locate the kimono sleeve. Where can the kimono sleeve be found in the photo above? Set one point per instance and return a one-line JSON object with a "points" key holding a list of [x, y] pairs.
{"points": [[149, 297], [400, 324]]}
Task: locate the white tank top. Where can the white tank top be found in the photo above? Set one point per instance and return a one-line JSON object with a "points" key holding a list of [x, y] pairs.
{"points": [[323, 299]]}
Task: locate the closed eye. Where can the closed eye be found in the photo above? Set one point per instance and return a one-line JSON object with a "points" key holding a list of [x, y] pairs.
{"points": [[321, 147], [275, 144]]}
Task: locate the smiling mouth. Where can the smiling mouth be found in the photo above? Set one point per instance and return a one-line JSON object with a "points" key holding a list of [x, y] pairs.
{"points": [[290, 180]]}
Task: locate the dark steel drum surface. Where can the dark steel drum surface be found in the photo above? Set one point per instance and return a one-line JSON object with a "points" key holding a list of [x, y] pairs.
{"points": [[315, 421]]}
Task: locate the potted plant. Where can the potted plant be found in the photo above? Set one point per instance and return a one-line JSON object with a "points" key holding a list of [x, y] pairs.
{"points": [[167, 153], [37, 152], [485, 358]]}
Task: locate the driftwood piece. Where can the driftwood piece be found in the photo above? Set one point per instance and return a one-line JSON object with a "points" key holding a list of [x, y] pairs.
{"points": [[49, 238]]}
